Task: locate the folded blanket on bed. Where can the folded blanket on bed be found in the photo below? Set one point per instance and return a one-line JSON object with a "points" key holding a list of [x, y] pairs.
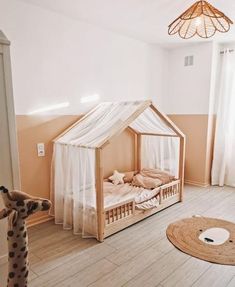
{"points": [[151, 178], [146, 182], [149, 204], [164, 176], [114, 194]]}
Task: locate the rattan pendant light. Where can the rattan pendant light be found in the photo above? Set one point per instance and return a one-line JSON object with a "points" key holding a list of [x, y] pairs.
{"points": [[200, 19]]}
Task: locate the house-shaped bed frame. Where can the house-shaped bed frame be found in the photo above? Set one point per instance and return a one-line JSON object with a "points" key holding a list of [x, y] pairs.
{"points": [[119, 216]]}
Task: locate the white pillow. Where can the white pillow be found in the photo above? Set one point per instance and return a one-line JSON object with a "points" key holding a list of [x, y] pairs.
{"points": [[117, 177]]}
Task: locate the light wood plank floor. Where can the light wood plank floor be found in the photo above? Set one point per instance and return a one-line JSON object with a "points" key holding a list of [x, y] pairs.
{"points": [[139, 256]]}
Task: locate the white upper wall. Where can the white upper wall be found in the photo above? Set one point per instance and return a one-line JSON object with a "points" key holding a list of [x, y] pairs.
{"points": [[189, 87], [56, 59], [158, 72]]}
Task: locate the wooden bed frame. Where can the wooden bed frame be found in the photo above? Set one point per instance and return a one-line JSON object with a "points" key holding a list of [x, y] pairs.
{"points": [[122, 215]]}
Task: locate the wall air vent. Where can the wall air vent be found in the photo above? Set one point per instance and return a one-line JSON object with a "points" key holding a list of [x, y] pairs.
{"points": [[188, 61]]}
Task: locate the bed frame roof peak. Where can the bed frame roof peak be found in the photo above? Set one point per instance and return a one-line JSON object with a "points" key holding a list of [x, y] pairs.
{"points": [[121, 125]]}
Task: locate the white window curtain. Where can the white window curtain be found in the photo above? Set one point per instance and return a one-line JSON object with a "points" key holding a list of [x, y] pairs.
{"points": [[223, 167]]}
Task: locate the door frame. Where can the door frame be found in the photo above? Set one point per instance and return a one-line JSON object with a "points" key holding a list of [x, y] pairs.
{"points": [[5, 51]]}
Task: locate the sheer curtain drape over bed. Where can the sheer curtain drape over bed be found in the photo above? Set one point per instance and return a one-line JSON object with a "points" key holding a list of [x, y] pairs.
{"points": [[161, 153], [75, 196], [223, 168], [107, 119]]}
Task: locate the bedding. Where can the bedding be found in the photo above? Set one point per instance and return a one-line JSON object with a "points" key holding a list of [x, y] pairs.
{"points": [[141, 188], [164, 176], [128, 176], [114, 194], [151, 178], [145, 182], [151, 203]]}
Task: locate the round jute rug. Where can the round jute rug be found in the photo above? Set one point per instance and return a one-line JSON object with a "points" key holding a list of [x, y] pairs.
{"points": [[209, 239]]}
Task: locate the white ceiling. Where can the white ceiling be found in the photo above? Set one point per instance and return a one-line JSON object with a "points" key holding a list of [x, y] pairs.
{"points": [[145, 20]]}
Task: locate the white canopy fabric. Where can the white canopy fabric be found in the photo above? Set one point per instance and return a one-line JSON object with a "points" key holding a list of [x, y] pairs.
{"points": [[74, 189], [108, 119], [74, 157], [150, 122], [161, 152]]}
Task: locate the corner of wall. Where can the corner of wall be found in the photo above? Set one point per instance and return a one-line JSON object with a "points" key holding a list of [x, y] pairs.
{"points": [[191, 108]]}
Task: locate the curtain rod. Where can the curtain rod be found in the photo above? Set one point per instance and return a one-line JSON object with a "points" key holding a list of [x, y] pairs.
{"points": [[226, 51]]}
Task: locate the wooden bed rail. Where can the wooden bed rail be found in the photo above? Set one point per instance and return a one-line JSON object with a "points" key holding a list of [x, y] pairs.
{"points": [[126, 209], [124, 214], [169, 190], [119, 211]]}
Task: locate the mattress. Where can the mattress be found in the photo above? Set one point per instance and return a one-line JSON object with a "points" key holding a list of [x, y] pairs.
{"points": [[144, 198]]}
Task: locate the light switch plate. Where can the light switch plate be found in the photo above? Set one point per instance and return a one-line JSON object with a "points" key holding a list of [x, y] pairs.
{"points": [[41, 149]]}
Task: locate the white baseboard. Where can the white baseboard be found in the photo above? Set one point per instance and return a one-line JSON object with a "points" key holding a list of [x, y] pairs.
{"points": [[197, 183], [38, 220]]}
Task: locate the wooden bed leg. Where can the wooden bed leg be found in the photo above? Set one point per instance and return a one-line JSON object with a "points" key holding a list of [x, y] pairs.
{"points": [[136, 152], [160, 196], [181, 166], [99, 196]]}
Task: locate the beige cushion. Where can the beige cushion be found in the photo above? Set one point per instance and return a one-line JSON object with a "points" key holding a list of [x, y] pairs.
{"points": [[128, 176], [117, 177], [146, 182]]}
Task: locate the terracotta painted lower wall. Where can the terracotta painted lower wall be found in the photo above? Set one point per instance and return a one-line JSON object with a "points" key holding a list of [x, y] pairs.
{"points": [[199, 131], [35, 171]]}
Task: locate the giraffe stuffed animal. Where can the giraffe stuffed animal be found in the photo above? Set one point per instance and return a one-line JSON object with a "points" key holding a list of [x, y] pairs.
{"points": [[18, 206]]}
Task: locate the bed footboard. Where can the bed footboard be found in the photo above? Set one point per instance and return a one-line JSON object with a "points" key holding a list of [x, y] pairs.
{"points": [[119, 211], [124, 214], [169, 190]]}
